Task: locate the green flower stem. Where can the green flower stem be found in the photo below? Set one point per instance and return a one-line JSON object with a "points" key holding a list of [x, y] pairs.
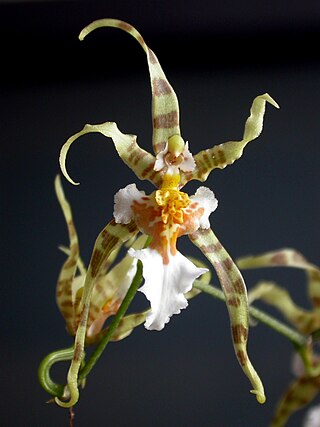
{"points": [[114, 324], [44, 371], [297, 339]]}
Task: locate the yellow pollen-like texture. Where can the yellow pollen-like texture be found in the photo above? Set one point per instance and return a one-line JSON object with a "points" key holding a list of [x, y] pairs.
{"points": [[172, 202]]}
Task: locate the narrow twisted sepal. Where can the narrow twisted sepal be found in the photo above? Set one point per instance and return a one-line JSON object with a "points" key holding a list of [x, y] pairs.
{"points": [[108, 240], [234, 289], [165, 106]]}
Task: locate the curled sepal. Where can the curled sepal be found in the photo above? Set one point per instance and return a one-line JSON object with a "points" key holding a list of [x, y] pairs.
{"points": [[287, 257], [227, 153], [108, 240], [284, 257], [65, 290], [305, 321], [165, 106], [140, 161], [234, 290], [301, 392]]}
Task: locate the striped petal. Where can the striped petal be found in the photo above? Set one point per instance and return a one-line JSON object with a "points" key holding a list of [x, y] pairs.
{"points": [[300, 393], [165, 284], [306, 321], [235, 292], [227, 153], [165, 107], [139, 161], [109, 239], [109, 291], [67, 286]]}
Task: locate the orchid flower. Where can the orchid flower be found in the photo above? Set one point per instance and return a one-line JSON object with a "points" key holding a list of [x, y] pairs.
{"points": [[111, 285], [168, 213], [307, 321]]}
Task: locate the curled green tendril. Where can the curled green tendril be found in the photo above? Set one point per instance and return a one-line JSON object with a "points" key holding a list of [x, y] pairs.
{"points": [[45, 366]]}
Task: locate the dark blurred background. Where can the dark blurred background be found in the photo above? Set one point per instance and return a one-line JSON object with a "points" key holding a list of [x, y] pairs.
{"points": [[218, 56]]}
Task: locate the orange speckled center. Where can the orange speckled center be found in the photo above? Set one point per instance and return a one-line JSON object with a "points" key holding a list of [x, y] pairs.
{"points": [[166, 215]]}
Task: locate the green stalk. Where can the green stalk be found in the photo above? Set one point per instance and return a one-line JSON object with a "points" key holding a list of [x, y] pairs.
{"points": [[114, 324]]}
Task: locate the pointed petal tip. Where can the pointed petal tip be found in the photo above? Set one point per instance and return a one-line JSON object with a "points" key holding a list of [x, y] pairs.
{"points": [[271, 101]]}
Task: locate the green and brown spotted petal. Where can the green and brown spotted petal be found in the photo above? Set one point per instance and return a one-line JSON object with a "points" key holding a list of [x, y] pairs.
{"points": [[109, 238], [108, 293], [299, 394], [287, 257], [284, 257], [140, 161], [314, 288], [165, 106], [64, 290], [235, 292], [109, 288], [305, 321], [125, 328], [227, 153]]}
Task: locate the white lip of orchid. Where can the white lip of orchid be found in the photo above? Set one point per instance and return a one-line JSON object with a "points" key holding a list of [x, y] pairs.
{"points": [[165, 285]]}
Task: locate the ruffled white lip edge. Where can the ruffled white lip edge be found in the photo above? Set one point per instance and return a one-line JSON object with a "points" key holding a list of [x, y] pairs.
{"points": [[165, 284]]}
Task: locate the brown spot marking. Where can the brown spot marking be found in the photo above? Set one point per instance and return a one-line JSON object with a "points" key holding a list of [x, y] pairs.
{"points": [[234, 302], [131, 147], [63, 283], [140, 40], [83, 320], [146, 171], [77, 355], [315, 275], [67, 315], [161, 87], [219, 157], [71, 262], [166, 121], [95, 308], [71, 228], [207, 159], [239, 333], [95, 263], [67, 303], [228, 263], [239, 286], [100, 289], [213, 248], [242, 357], [152, 57], [142, 154], [279, 259], [316, 301], [126, 27]]}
